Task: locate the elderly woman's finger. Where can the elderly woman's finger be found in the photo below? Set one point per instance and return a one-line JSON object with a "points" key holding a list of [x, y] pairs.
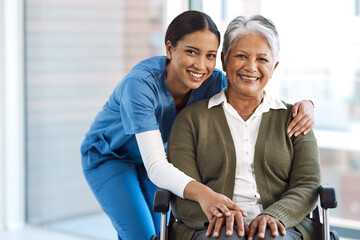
{"points": [[262, 227], [219, 223], [273, 227], [247, 229], [210, 227], [229, 225], [253, 229], [240, 223], [281, 228]]}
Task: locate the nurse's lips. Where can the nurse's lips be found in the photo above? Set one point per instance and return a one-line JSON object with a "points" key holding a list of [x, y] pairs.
{"points": [[196, 76]]}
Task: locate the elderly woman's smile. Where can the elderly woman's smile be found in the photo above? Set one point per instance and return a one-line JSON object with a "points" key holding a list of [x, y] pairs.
{"points": [[248, 78]]}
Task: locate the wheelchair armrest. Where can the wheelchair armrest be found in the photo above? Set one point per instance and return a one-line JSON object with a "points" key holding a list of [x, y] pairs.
{"points": [[327, 196], [162, 200]]}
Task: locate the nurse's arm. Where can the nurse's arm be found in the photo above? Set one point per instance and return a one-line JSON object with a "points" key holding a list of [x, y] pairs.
{"points": [[164, 175]]}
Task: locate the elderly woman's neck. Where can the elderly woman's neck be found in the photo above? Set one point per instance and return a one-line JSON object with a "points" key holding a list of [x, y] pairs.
{"points": [[243, 104]]}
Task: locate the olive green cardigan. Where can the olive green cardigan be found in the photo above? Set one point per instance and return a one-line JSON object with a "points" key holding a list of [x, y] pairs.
{"points": [[286, 169]]}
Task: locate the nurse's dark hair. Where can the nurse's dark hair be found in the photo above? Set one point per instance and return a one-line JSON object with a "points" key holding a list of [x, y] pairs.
{"points": [[189, 22]]}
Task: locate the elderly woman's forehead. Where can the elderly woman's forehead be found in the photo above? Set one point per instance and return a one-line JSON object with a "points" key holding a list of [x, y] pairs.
{"points": [[250, 37]]}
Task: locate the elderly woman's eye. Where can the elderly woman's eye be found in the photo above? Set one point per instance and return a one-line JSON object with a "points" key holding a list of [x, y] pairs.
{"points": [[263, 60], [240, 56]]}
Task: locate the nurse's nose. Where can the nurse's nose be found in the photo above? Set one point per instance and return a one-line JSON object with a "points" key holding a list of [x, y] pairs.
{"points": [[200, 63]]}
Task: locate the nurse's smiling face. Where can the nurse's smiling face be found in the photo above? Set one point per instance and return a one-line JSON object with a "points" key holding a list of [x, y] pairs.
{"points": [[192, 60]]}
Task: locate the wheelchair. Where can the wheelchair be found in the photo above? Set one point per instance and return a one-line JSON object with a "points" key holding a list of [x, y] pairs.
{"points": [[327, 199]]}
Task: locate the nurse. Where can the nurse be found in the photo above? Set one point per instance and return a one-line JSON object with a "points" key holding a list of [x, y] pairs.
{"points": [[123, 153]]}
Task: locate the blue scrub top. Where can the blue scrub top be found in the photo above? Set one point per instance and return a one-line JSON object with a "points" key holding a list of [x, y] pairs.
{"points": [[140, 102]]}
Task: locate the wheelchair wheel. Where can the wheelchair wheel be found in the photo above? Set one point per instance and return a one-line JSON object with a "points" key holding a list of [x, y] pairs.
{"points": [[154, 237], [334, 235]]}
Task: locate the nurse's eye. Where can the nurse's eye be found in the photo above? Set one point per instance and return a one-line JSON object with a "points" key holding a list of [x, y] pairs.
{"points": [[191, 52], [211, 55]]}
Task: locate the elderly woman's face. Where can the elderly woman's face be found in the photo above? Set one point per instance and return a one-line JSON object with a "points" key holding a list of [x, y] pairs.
{"points": [[250, 65]]}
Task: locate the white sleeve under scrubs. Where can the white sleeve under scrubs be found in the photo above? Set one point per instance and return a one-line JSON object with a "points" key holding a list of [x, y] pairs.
{"points": [[142, 105]]}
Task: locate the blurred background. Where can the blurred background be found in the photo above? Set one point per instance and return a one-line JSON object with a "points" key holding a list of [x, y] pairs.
{"points": [[61, 59]]}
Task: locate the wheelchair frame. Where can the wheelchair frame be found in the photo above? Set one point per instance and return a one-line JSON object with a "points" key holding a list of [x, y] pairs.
{"points": [[327, 199]]}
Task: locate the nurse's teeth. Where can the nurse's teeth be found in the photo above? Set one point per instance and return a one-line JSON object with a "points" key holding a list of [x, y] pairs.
{"points": [[197, 75]]}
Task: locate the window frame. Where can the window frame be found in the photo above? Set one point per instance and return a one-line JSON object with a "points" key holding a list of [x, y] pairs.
{"points": [[12, 116]]}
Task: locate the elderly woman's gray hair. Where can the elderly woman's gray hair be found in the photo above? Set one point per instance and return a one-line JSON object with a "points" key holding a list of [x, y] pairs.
{"points": [[254, 25]]}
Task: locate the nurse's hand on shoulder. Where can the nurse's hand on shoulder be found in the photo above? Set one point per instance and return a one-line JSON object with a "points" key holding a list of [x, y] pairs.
{"points": [[260, 223], [303, 122]]}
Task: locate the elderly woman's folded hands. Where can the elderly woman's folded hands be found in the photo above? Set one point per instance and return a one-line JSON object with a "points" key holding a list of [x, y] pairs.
{"points": [[236, 218]]}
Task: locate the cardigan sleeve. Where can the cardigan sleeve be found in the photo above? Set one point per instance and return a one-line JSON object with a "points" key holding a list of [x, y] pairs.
{"points": [[182, 153], [300, 189]]}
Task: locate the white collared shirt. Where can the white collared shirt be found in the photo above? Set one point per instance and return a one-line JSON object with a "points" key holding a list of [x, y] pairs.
{"points": [[244, 134]]}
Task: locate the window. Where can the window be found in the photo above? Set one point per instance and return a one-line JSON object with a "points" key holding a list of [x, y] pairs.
{"points": [[76, 52]]}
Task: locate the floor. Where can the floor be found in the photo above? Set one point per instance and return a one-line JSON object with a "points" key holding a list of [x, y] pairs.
{"points": [[34, 233], [94, 227]]}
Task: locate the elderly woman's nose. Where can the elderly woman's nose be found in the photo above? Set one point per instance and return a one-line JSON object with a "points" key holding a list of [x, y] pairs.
{"points": [[251, 65]]}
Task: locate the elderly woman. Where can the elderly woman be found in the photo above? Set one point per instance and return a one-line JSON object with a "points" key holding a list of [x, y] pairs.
{"points": [[236, 143]]}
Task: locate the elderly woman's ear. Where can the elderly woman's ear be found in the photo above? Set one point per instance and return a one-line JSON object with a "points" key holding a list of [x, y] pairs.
{"points": [[276, 64], [223, 61]]}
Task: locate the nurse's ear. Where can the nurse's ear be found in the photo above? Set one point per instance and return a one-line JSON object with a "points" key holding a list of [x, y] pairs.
{"points": [[169, 49]]}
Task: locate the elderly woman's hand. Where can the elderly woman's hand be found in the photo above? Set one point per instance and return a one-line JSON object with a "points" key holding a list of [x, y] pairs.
{"points": [[303, 113], [236, 217], [261, 222]]}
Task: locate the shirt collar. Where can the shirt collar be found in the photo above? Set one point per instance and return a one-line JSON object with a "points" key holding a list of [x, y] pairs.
{"points": [[268, 102]]}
